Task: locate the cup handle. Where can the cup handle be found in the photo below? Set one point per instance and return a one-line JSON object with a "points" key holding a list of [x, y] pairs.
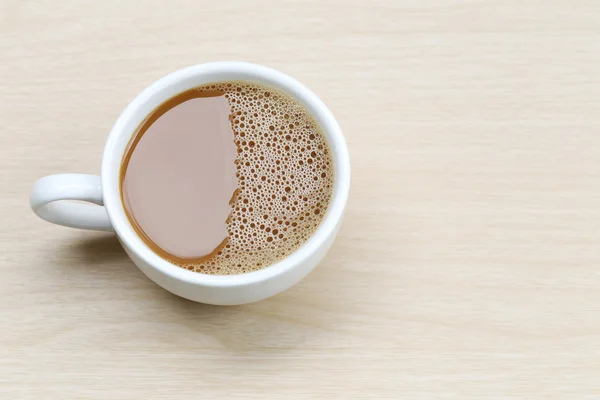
{"points": [[51, 199]]}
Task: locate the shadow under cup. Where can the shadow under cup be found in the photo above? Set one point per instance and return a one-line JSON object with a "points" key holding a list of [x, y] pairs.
{"points": [[228, 289]]}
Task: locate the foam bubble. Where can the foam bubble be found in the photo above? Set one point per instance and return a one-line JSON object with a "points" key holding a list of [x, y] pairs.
{"points": [[285, 179]]}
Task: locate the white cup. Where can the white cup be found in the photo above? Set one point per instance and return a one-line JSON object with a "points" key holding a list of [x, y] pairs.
{"points": [[51, 196]]}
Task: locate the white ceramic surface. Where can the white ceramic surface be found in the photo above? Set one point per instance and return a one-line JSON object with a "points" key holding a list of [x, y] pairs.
{"points": [[51, 197]]}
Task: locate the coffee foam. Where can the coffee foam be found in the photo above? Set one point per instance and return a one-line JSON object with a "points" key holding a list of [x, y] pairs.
{"points": [[285, 178]]}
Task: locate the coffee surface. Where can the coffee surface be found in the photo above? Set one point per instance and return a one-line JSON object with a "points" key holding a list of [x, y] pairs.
{"points": [[281, 179], [181, 176]]}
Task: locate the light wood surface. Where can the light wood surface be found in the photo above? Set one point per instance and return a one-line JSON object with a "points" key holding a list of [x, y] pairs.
{"points": [[468, 266]]}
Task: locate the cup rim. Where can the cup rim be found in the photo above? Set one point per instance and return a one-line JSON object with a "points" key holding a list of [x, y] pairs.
{"points": [[327, 122]]}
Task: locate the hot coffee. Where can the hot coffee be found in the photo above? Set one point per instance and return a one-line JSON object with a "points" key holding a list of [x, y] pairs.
{"points": [[227, 178]]}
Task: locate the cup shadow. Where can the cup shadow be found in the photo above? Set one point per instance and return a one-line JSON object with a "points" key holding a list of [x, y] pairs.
{"points": [[268, 327], [97, 260], [308, 315], [98, 249], [277, 325]]}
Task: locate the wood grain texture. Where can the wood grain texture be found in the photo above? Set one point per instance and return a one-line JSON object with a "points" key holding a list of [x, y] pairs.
{"points": [[468, 266]]}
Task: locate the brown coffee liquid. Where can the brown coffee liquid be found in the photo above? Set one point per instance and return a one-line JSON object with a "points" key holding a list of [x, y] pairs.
{"points": [[284, 175]]}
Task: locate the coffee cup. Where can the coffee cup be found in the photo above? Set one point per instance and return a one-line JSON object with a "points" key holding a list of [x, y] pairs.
{"points": [[60, 198]]}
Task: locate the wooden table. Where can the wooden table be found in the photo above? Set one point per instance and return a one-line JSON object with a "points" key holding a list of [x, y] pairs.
{"points": [[468, 266]]}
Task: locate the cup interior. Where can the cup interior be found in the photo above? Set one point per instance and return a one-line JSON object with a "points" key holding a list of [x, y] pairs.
{"points": [[186, 79]]}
